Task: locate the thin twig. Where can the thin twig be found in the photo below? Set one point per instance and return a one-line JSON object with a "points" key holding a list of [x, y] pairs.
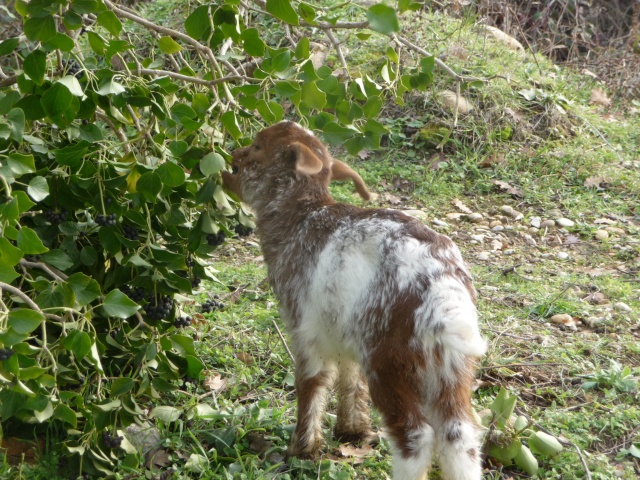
{"points": [[199, 81], [495, 367], [284, 342], [56, 275], [336, 44]]}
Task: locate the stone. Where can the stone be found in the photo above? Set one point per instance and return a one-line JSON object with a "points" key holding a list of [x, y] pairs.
{"points": [[440, 223], [506, 209], [535, 222], [565, 222], [548, 224], [497, 228], [483, 256], [562, 255], [621, 307], [601, 234], [474, 217]]}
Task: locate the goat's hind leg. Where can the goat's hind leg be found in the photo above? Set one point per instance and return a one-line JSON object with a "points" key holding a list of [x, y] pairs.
{"points": [[353, 423], [311, 390]]}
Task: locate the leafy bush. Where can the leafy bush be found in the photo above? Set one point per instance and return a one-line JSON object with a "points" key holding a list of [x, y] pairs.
{"points": [[113, 131]]}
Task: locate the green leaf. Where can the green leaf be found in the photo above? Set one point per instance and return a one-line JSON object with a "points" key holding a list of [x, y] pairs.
{"points": [[336, 134], [78, 342], [169, 46], [194, 366], [16, 118], [230, 123], [97, 43], [66, 414], [85, 6], [72, 155], [8, 46], [307, 12], [72, 84], [212, 163], [282, 10], [271, 112], [9, 254], [161, 385], [40, 29], [383, 19], [303, 49], [121, 386], [312, 96], [86, 288], [24, 320], [60, 42], [149, 185], [60, 105], [372, 107], [35, 66], [252, 43], [198, 22], [111, 87], [29, 242], [21, 164], [117, 304], [58, 259], [38, 188], [110, 21], [171, 175], [166, 414], [91, 133]]}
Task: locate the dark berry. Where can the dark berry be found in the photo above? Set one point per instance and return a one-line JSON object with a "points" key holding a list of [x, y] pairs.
{"points": [[216, 239], [101, 220], [243, 230], [130, 232], [195, 282], [111, 441], [6, 354]]}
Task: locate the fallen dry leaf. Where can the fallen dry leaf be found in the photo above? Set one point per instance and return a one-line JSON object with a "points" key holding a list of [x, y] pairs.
{"points": [[589, 73], [517, 116], [357, 453], [503, 38], [215, 383], [571, 240], [449, 99], [257, 442], [157, 458], [565, 319], [506, 188], [605, 221], [364, 154], [244, 357], [597, 298], [461, 206], [595, 182], [492, 160], [600, 97], [436, 160]]}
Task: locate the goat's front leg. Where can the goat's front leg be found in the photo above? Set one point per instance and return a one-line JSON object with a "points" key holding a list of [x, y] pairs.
{"points": [[311, 389], [353, 423]]}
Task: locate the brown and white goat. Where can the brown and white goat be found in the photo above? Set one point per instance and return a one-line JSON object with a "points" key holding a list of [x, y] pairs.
{"points": [[371, 296]]}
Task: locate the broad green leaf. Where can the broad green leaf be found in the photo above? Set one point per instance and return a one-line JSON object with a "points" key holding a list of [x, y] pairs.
{"points": [[60, 42], [373, 106], [194, 366], [271, 112], [230, 123], [111, 87], [183, 345], [86, 288], [72, 84], [252, 43], [8, 46], [24, 320], [169, 46], [85, 6], [336, 134], [78, 342], [312, 96], [60, 105], [38, 188], [35, 66], [149, 185], [198, 22], [303, 49], [121, 386], [307, 12], [171, 175], [282, 10], [66, 414], [162, 385], [427, 64], [110, 21], [97, 43], [72, 155], [29, 242], [21, 164], [72, 20], [212, 163], [8, 100], [16, 119], [40, 29], [383, 19], [165, 413], [9, 254], [117, 304], [91, 133]]}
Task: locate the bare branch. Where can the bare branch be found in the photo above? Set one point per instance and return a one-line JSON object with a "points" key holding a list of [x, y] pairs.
{"points": [[55, 274]]}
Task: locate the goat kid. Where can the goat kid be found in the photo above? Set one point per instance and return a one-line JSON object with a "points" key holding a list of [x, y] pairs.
{"points": [[370, 296]]}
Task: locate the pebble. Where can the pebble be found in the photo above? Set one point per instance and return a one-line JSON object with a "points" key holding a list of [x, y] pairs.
{"points": [[497, 228], [419, 214], [509, 251], [548, 224], [562, 255], [495, 223], [496, 245], [454, 216], [554, 212], [478, 238], [617, 230], [533, 230], [474, 217], [601, 234], [621, 307], [517, 215], [483, 256], [565, 222], [440, 223], [535, 222], [252, 244], [506, 209]]}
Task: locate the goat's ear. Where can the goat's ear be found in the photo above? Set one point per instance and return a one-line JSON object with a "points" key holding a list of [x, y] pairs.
{"points": [[341, 171], [306, 162]]}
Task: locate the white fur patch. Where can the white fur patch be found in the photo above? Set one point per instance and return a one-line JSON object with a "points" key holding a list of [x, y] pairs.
{"points": [[460, 457], [416, 466]]}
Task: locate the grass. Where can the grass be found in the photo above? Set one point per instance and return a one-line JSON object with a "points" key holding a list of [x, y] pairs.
{"points": [[579, 384]]}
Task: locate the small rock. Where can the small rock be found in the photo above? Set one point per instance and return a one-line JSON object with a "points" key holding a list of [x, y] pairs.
{"points": [[562, 255], [495, 223], [565, 222], [478, 238], [454, 216], [597, 298], [517, 216], [529, 240], [621, 307], [483, 256], [554, 213], [533, 230], [143, 437], [497, 228], [252, 244], [419, 214], [506, 209], [496, 245], [474, 217], [535, 222], [601, 234], [509, 251], [616, 230], [440, 223], [548, 224]]}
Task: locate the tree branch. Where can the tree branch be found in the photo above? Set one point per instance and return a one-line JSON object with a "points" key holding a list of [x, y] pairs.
{"points": [[56, 275]]}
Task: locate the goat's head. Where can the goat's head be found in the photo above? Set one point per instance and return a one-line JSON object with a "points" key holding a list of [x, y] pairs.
{"points": [[286, 156]]}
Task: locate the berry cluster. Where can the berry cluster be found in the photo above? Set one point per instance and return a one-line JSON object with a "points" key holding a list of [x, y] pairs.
{"points": [[158, 308], [114, 333], [136, 294], [190, 261], [211, 305], [182, 322], [56, 216], [195, 282], [108, 220], [6, 353], [242, 230], [110, 441], [72, 68], [216, 239], [130, 233]]}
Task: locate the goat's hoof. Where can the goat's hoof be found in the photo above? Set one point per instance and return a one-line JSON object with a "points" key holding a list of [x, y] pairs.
{"points": [[368, 437]]}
